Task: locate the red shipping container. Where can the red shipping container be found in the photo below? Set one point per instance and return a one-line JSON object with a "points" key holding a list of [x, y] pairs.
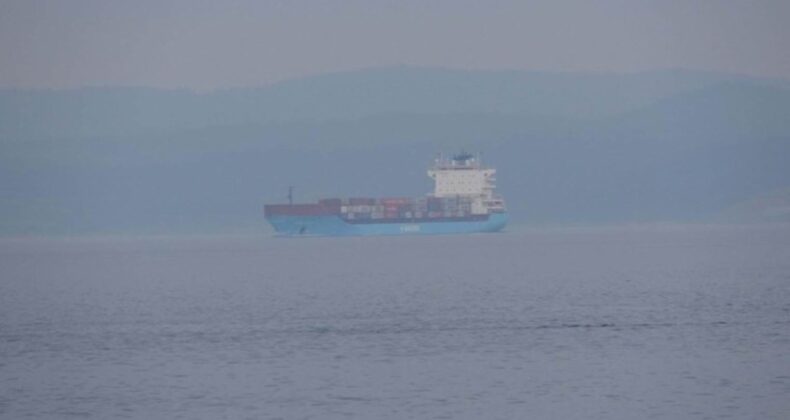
{"points": [[395, 200]]}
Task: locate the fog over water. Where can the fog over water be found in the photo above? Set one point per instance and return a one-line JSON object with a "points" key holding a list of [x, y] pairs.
{"points": [[608, 323], [585, 148]]}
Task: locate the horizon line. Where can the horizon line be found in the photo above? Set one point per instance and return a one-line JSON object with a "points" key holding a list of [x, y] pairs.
{"points": [[371, 69]]}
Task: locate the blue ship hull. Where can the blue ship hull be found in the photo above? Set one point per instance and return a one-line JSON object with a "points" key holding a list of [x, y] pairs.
{"points": [[332, 225]]}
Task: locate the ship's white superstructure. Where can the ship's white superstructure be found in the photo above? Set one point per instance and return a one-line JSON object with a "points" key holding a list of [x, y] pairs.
{"points": [[464, 177]]}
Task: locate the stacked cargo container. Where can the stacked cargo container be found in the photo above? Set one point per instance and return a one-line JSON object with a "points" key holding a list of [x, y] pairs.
{"points": [[463, 193], [398, 207]]}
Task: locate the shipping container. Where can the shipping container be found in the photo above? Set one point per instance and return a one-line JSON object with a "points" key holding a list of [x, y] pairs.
{"points": [[394, 200], [362, 201], [434, 204]]}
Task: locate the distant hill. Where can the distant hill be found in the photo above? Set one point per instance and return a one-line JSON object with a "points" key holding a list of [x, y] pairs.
{"points": [[570, 148], [101, 111]]}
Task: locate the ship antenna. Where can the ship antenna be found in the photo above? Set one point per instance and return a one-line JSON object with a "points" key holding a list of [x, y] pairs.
{"points": [[290, 194]]}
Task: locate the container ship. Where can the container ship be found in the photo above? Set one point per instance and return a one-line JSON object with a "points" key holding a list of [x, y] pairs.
{"points": [[464, 200]]}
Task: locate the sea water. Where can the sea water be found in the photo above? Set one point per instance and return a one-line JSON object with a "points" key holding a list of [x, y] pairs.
{"points": [[597, 323]]}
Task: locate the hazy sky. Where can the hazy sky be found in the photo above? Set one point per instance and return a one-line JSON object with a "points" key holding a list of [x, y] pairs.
{"points": [[217, 44]]}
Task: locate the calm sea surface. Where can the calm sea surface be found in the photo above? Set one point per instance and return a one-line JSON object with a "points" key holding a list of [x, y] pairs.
{"points": [[608, 323]]}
